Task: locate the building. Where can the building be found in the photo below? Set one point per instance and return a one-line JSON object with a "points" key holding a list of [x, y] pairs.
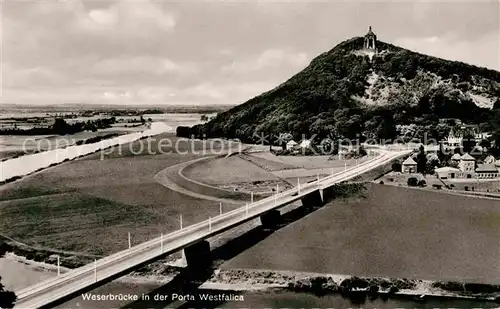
{"points": [[291, 144], [489, 160], [486, 171], [467, 165], [456, 157], [305, 143], [448, 172], [409, 166], [370, 40], [481, 136], [453, 141]]}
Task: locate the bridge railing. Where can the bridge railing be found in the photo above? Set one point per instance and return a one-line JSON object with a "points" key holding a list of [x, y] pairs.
{"points": [[155, 241], [105, 260]]}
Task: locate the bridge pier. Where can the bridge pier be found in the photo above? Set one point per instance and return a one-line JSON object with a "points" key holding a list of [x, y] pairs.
{"points": [[198, 255], [328, 194], [270, 219], [313, 199]]}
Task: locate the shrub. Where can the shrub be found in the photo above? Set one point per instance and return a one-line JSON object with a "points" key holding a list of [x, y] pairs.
{"points": [[412, 182], [449, 286], [396, 167], [183, 131], [422, 183], [7, 298], [393, 290]]}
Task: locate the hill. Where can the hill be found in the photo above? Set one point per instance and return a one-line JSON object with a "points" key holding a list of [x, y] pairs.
{"points": [[350, 91]]}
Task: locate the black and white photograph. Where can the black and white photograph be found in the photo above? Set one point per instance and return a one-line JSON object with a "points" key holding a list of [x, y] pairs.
{"points": [[179, 154]]}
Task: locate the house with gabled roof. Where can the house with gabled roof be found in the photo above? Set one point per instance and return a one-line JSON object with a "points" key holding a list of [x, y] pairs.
{"points": [[489, 160], [291, 144], [448, 172], [467, 165], [486, 171], [409, 166], [456, 157]]}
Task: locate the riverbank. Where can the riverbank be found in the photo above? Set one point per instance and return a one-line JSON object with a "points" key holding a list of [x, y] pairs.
{"points": [[252, 280], [318, 283]]}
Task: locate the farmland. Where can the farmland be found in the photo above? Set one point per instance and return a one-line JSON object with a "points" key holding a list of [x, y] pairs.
{"points": [[260, 172], [89, 205]]}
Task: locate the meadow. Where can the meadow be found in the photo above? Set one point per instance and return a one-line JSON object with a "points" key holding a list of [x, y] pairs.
{"points": [[90, 204]]}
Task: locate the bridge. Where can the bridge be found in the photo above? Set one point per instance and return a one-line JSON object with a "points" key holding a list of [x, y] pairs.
{"points": [[191, 238]]}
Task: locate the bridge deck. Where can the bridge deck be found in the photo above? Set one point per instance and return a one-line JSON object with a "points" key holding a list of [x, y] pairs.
{"points": [[120, 263]]}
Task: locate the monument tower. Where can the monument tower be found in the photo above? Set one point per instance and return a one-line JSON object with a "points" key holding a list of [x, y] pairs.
{"points": [[370, 40]]}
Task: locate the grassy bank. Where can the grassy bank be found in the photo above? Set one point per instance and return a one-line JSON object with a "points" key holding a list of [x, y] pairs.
{"points": [[356, 288], [90, 204]]}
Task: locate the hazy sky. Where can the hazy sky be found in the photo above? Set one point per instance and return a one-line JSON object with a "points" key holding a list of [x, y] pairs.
{"points": [[206, 52]]}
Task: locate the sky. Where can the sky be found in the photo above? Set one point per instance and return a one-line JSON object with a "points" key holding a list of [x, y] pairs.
{"points": [[160, 52]]}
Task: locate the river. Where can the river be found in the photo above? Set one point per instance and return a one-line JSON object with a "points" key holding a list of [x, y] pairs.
{"points": [[30, 163]]}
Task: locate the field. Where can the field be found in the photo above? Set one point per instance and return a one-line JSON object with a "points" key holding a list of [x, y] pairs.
{"points": [[262, 171], [224, 171], [308, 162], [392, 231], [89, 205]]}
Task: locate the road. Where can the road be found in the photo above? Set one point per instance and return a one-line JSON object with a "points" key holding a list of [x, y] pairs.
{"points": [[91, 275]]}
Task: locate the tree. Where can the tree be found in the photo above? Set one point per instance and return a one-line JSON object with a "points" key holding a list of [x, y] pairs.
{"points": [[432, 162], [485, 144], [421, 160], [468, 143], [442, 155], [60, 126], [182, 131], [7, 298]]}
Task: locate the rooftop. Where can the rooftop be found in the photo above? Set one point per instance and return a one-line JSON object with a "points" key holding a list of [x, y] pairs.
{"points": [[305, 143], [467, 157], [370, 32], [409, 161], [487, 168], [446, 169]]}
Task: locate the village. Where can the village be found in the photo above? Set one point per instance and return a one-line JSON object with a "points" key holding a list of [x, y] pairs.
{"points": [[459, 163], [462, 161]]}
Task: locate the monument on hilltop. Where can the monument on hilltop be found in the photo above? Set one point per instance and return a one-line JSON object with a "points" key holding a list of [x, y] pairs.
{"points": [[370, 41]]}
